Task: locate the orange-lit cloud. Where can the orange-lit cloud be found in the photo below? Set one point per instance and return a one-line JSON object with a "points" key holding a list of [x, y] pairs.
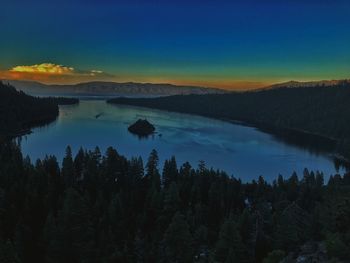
{"points": [[44, 68], [51, 73]]}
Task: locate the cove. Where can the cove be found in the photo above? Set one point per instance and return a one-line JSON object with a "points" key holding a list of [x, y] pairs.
{"points": [[242, 151]]}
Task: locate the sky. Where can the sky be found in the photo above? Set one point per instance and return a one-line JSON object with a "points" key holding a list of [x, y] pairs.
{"points": [[239, 44]]}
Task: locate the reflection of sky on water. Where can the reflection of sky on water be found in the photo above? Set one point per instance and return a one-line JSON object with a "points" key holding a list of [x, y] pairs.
{"points": [[242, 151]]}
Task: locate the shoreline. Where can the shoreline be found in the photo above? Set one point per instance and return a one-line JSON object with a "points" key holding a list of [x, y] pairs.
{"points": [[26, 131], [279, 132]]}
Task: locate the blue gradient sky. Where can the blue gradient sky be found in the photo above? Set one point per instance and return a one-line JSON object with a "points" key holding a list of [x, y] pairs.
{"points": [[233, 44]]}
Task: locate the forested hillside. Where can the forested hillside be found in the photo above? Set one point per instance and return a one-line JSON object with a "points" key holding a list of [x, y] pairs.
{"points": [[319, 110], [19, 112], [106, 208]]}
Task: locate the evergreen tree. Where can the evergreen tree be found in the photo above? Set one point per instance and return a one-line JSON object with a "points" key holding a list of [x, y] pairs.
{"points": [[171, 200], [178, 243], [170, 172], [8, 253], [293, 228], [68, 168], [229, 247], [152, 172], [71, 238]]}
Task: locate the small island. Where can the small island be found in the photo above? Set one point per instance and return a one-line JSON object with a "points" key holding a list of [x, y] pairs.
{"points": [[142, 128]]}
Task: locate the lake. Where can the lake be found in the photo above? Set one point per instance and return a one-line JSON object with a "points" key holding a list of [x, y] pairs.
{"points": [[241, 151]]}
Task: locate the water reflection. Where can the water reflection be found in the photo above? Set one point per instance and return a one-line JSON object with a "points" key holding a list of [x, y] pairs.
{"points": [[242, 151]]}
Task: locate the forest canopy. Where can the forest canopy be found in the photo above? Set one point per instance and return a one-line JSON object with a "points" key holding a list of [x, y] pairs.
{"points": [[106, 208]]}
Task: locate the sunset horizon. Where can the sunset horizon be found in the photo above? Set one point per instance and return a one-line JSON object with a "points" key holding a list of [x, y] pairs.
{"points": [[230, 45], [56, 74]]}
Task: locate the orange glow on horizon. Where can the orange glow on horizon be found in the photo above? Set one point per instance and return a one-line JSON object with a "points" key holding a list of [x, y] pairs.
{"points": [[225, 84], [50, 73], [70, 79]]}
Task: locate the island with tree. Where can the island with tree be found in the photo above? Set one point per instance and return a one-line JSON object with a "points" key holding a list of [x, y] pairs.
{"points": [[142, 128]]}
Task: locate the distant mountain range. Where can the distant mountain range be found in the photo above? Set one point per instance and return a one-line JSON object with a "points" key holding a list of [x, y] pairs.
{"points": [[300, 84], [99, 88], [132, 89]]}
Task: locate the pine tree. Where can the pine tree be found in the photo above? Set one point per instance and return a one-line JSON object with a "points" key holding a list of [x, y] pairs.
{"points": [[136, 171], [152, 172], [293, 228], [71, 237], [68, 168], [201, 243], [79, 164], [170, 172], [178, 243], [229, 246], [55, 183], [171, 200], [8, 253], [246, 227]]}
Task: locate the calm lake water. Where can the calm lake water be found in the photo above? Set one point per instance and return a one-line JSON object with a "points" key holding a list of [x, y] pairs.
{"points": [[244, 152]]}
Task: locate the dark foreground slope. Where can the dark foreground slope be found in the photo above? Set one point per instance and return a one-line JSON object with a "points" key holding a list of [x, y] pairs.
{"points": [[320, 110], [108, 209], [19, 112]]}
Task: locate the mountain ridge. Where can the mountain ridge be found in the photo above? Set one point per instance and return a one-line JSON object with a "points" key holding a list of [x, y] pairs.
{"points": [[304, 84], [111, 88]]}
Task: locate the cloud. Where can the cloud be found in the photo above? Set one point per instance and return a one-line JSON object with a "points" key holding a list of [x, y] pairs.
{"points": [[44, 68], [96, 71], [52, 73]]}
